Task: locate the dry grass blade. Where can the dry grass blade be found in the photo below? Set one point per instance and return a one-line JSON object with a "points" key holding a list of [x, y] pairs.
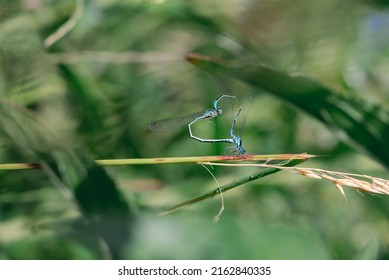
{"points": [[217, 217], [338, 179]]}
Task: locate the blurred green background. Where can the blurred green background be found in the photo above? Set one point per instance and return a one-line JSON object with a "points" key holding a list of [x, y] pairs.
{"points": [[92, 94]]}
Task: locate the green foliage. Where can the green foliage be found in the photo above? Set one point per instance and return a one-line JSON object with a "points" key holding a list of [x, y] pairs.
{"points": [[92, 94]]}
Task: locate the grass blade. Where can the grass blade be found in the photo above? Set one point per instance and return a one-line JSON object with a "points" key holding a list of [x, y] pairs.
{"points": [[229, 186]]}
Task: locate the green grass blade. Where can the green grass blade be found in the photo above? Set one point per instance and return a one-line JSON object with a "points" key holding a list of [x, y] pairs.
{"points": [[106, 215], [229, 186], [106, 209]]}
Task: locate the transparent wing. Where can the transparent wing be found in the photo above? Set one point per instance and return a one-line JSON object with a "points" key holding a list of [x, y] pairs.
{"points": [[241, 119], [229, 106], [173, 123]]}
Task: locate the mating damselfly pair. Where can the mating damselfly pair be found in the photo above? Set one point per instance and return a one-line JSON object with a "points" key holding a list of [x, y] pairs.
{"points": [[208, 114]]}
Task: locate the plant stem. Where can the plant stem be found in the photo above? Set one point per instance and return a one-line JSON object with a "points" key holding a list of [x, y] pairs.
{"points": [[170, 160]]}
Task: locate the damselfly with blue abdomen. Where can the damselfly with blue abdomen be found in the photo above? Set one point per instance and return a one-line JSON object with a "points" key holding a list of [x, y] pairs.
{"points": [[208, 114]]}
